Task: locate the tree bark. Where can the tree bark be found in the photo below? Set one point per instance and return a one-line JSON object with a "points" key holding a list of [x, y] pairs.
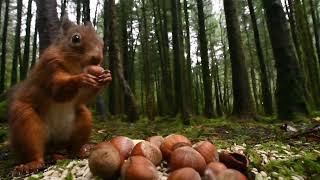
{"points": [[265, 86], [242, 105], [208, 109], [149, 93], [178, 63], [48, 22], [4, 47], [290, 92], [116, 67], [78, 8], [17, 48], [34, 44], [26, 53]]}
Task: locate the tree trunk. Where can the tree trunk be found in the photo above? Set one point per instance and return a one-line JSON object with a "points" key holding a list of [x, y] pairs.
{"points": [[188, 49], [167, 71], [315, 29], [63, 8], [78, 8], [178, 63], [308, 55], [17, 49], [208, 109], [242, 105], [34, 44], [86, 10], [48, 22], [116, 68], [26, 53], [4, 47], [147, 65], [265, 86], [290, 92]]}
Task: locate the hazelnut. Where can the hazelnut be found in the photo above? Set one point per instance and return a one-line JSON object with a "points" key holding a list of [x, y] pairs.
{"points": [[235, 161], [123, 144], [168, 143], [86, 150], [213, 169], [231, 174], [207, 150], [105, 161], [156, 140], [138, 168], [94, 70], [187, 157], [149, 151], [184, 173]]}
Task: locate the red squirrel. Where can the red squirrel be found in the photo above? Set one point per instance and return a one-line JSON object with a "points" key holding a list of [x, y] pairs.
{"points": [[49, 110]]}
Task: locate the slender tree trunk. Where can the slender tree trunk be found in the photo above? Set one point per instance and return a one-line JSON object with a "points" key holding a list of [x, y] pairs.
{"points": [[265, 86], [17, 48], [34, 44], [147, 65], [309, 56], [48, 22], [63, 8], [242, 105], [169, 90], [315, 29], [78, 11], [189, 61], [26, 52], [4, 47], [116, 68], [252, 71], [290, 92], [178, 63], [86, 10], [215, 76], [208, 110]]}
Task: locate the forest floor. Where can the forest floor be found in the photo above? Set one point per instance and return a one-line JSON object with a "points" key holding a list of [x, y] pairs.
{"points": [[273, 151]]}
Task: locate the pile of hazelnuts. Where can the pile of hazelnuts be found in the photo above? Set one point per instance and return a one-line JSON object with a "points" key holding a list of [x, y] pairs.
{"points": [[121, 157]]}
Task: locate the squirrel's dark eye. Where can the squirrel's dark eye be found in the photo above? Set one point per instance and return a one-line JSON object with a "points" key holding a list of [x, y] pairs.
{"points": [[76, 39]]}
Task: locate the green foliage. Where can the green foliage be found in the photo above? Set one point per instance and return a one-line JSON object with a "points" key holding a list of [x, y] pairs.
{"points": [[3, 110], [308, 165]]}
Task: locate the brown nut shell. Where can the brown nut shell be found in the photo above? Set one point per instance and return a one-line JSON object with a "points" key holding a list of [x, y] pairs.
{"points": [[213, 169], [169, 142], [149, 151], [105, 162], [123, 144], [138, 168], [187, 157], [207, 150], [231, 174], [184, 173], [94, 70], [156, 140], [234, 161]]}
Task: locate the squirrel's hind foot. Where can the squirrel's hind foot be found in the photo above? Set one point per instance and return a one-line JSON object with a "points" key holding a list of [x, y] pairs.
{"points": [[31, 167]]}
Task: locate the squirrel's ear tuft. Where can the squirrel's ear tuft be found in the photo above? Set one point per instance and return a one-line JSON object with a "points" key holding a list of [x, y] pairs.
{"points": [[66, 24]]}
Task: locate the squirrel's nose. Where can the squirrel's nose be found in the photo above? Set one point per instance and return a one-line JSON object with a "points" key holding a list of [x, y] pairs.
{"points": [[96, 59]]}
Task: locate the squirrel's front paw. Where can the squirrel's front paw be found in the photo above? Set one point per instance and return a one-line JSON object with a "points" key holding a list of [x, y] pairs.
{"points": [[105, 78], [87, 80]]}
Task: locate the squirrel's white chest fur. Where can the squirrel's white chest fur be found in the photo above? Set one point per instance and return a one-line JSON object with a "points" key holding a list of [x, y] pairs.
{"points": [[59, 121]]}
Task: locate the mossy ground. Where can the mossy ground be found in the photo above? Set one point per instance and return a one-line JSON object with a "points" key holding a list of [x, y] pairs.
{"points": [[224, 133]]}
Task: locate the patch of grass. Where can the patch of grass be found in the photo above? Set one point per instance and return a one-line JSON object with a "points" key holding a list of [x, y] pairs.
{"points": [[308, 166], [3, 110]]}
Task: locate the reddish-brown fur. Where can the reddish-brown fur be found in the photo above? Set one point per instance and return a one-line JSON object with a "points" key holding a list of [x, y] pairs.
{"points": [[58, 78]]}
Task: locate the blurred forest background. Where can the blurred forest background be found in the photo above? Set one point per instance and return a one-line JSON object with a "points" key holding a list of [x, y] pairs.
{"points": [[182, 58]]}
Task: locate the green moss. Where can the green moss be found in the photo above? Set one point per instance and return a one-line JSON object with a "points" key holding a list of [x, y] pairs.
{"points": [[308, 165], [3, 110]]}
